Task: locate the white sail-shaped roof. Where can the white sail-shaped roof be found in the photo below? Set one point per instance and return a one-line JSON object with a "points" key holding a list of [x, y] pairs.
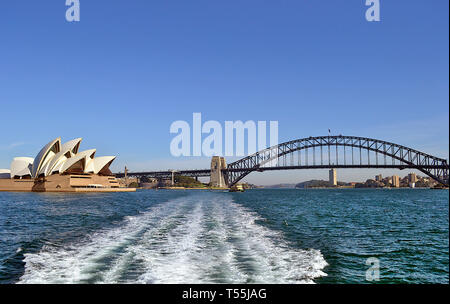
{"points": [[21, 166], [89, 166], [55, 157], [45, 155], [68, 150], [72, 145], [59, 166], [56, 162], [80, 161], [44, 167], [101, 164]]}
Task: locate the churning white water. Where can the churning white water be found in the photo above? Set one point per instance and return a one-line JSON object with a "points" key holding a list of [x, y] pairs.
{"points": [[193, 239]]}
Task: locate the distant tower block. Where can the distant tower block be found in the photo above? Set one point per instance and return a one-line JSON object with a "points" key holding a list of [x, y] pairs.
{"points": [[333, 177], [217, 178], [396, 181], [412, 178]]}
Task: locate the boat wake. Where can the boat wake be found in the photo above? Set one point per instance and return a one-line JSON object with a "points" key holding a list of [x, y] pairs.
{"points": [[194, 239]]}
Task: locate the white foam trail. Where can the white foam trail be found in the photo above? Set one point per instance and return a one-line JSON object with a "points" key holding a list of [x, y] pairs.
{"points": [[77, 263], [269, 257], [174, 261], [201, 238]]}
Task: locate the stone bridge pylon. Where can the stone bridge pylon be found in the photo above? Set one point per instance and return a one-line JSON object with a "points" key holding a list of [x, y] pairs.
{"points": [[218, 164]]}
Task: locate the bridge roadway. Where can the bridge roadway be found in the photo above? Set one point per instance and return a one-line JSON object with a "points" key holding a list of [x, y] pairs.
{"points": [[207, 172], [167, 174]]}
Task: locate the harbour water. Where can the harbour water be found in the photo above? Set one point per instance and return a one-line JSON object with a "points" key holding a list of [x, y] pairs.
{"points": [[198, 236]]}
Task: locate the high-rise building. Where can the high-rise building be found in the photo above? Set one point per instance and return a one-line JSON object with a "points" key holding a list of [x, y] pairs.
{"points": [[396, 181], [379, 177], [412, 178], [333, 177]]}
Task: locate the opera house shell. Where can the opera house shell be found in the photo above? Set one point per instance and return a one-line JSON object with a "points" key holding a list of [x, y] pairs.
{"points": [[61, 168]]}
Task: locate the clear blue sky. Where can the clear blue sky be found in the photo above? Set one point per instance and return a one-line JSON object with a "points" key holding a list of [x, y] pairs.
{"points": [[123, 74]]}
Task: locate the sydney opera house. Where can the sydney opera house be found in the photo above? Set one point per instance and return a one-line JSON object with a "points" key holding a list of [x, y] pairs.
{"points": [[61, 168]]}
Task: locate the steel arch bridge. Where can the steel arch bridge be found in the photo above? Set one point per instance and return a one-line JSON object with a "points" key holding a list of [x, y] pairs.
{"points": [[324, 152], [393, 156]]}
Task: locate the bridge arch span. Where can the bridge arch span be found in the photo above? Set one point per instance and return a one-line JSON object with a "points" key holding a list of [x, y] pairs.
{"points": [[401, 157]]}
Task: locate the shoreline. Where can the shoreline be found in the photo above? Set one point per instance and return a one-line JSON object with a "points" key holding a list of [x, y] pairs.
{"points": [[315, 188], [184, 188]]}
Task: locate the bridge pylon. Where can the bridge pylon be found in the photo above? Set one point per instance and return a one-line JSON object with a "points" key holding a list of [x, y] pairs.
{"points": [[218, 164]]}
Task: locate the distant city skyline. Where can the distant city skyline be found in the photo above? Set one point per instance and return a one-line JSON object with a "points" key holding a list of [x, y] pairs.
{"points": [[123, 74]]}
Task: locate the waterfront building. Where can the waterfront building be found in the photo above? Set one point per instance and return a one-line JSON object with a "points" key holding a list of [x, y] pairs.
{"points": [[333, 177], [396, 181], [379, 178], [412, 179], [388, 180], [61, 168]]}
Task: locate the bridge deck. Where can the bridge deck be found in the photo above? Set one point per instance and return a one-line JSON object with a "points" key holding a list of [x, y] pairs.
{"points": [[207, 172]]}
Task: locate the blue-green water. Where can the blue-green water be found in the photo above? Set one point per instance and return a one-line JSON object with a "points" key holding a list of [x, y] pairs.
{"points": [[260, 236]]}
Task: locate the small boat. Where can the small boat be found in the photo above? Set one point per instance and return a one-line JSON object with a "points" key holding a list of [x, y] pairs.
{"points": [[237, 188]]}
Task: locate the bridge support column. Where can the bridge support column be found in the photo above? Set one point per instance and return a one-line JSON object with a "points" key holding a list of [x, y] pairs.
{"points": [[217, 177]]}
